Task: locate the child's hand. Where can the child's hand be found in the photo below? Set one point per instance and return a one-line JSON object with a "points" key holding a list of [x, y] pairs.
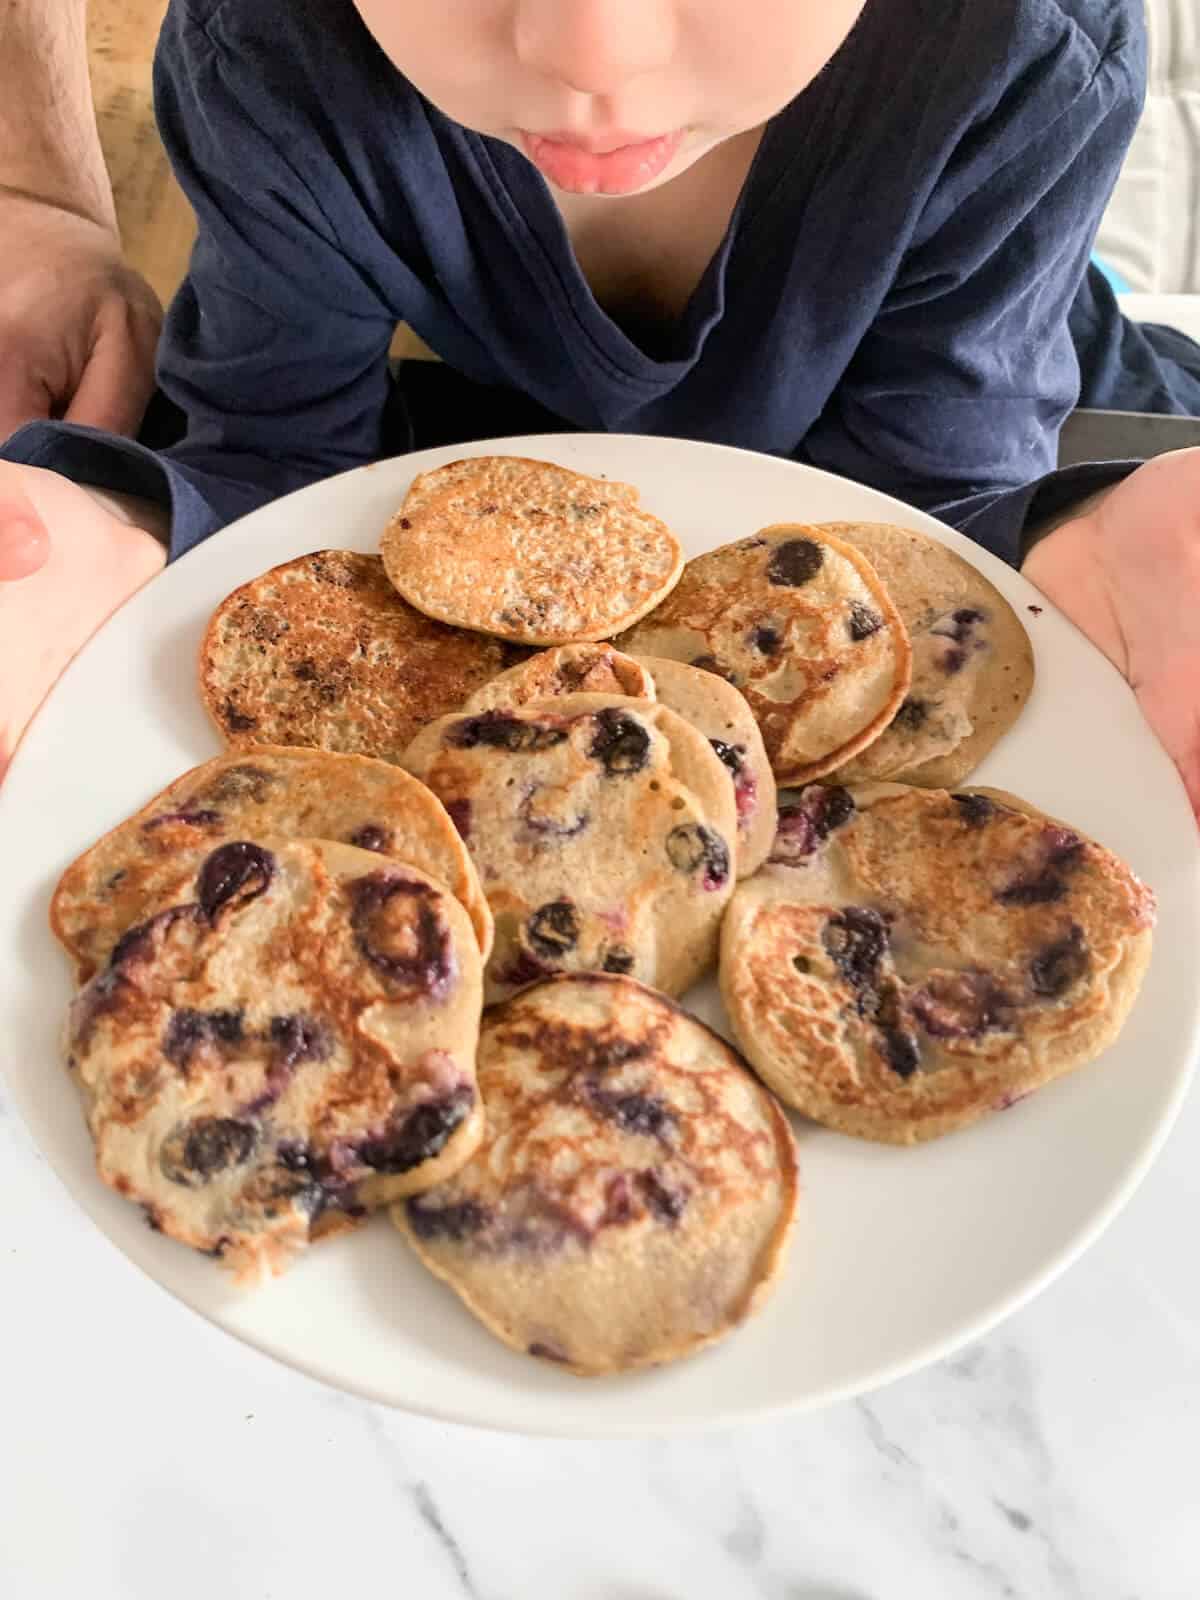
{"points": [[84, 557], [78, 328], [1127, 573]]}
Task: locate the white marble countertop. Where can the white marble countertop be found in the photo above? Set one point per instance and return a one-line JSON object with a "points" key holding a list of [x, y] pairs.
{"points": [[147, 1455]]}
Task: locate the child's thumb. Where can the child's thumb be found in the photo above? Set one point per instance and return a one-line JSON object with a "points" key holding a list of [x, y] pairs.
{"points": [[24, 542]]}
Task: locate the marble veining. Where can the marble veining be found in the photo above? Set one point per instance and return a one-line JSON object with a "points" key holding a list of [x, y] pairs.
{"points": [[145, 1453]]}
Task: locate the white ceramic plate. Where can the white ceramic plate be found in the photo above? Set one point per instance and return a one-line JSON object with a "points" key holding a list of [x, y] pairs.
{"points": [[899, 1255]]}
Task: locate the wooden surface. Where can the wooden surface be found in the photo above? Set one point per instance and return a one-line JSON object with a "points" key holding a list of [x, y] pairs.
{"points": [[156, 222], [157, 225]]}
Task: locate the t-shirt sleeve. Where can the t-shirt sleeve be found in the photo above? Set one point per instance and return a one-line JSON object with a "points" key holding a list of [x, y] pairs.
{"points": [[275, 348], [954, 400]]}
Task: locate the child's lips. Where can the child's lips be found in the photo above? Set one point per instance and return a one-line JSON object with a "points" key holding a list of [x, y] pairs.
{"points": [[620, 164]]}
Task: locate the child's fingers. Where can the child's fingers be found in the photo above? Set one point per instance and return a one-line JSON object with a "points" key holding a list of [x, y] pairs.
{"points": [[24, 547], [24, 541]]}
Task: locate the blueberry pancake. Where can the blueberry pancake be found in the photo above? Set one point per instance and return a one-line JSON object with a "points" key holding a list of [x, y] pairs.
{"points": [[323, 652], [801, 624], [634, 1193], [720, 712], [288, 1037], [528, 551], [972, 666], [927, 957], [566, 669], [276, 793], [603, 831]]}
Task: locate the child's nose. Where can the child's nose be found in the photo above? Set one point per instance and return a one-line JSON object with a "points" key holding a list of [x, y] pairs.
{"points": [[595, 46]]}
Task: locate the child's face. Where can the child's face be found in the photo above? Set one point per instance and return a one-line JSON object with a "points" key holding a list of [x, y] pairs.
{"points": [[610, 96]]}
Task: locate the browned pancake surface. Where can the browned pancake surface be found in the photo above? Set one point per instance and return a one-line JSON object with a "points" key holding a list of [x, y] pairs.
{"points": [[288, 1040], [529, 551], [928, 957], [632, 1198], [323, 652]]}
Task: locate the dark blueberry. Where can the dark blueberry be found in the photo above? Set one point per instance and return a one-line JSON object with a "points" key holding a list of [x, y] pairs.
{"points": [[457, 1222], [1046, 884], [802, 963], [554, 929], [1060, 965], [138, 943], [400, 933], [795, 563], [667, 1204], [459, 812], [897, 1042], [187, 1030], [197, 1151], [549, 1352], [298, 1037], [239, 870], [856, 940], [911, 715], [635, 1113], [961, 1005], [498, 731], [618, 959], [900, 1050], [974, 809], [954, 660], [193, 819], [765, 639], [1046, 889], [420, 1137], [732, 755], [621, 743], [863, 621], [692, 846], [405, 524], [957, 625], [371, 837], [717, 668], [523, 969], [305, 671], [238, 721], [820, 810]]}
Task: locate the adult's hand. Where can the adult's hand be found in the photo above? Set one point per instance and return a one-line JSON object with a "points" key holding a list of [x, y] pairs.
{"points": [[78, 328]]}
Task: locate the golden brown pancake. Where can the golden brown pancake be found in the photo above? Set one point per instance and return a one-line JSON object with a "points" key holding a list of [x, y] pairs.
{"points": [[632, 1199], [972, 661], [603, 831], [528, 551], [928, 957], [323, 652], [287, 1037], [566, 669], [801, 624], [267, 793], [718, 711]]}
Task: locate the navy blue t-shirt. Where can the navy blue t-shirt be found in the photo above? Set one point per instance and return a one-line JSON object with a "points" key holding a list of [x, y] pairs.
{"points": [[890, 301]]}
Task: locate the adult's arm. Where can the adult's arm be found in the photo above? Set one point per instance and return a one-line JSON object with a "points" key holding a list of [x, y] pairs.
{"points": [[77, 327]]}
